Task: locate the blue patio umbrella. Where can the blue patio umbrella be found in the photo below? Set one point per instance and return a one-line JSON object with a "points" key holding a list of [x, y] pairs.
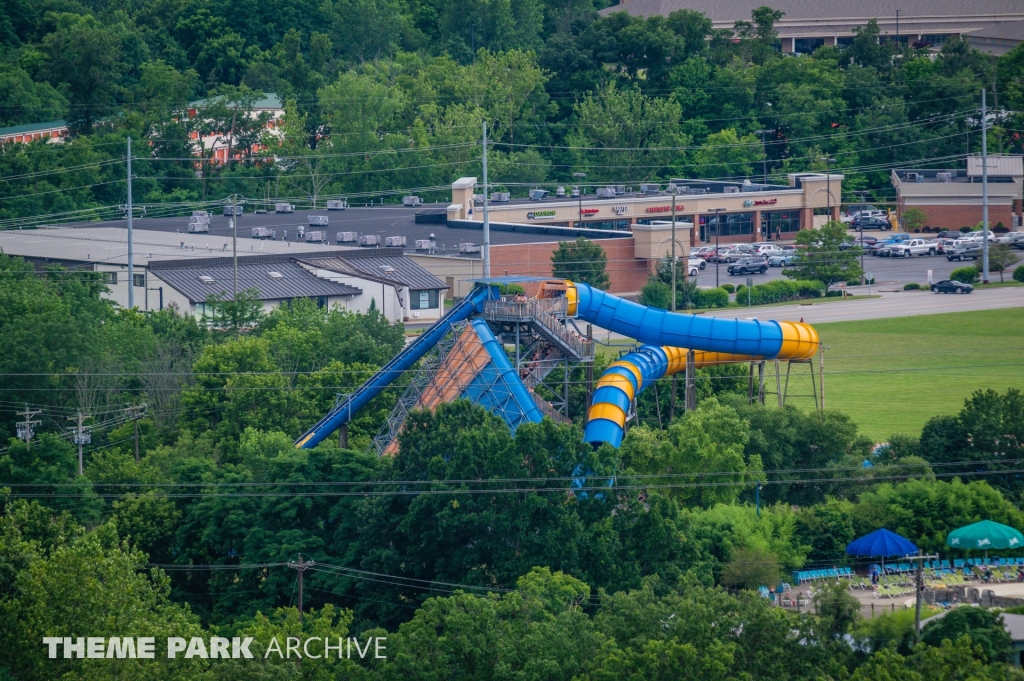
{"points": [[881, 543]]}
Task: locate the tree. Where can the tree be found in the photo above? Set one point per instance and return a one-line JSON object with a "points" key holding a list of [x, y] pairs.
{"points": [[582, 260], [725, 155], [819, 256], [1001, 257], [984, 627], [914, 219], [751, 569]]}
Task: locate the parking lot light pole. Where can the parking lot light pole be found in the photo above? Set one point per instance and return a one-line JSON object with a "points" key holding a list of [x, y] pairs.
{"points": [[984, 189], [764, 153], [828, 184], [579, 195]]}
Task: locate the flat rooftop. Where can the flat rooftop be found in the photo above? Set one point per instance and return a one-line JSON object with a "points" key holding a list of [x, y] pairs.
{"points": [[957, 176], [383, 221], [108, 243]]}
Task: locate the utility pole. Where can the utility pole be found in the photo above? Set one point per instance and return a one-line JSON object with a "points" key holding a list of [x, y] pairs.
{"points": [[234, 246], [821, 374], [487, 218], [81, 436], [718, 231], [764, 152], [919, 583], [25, 431], [131, 251], [134, 413], [672, 401], [984, 189], [301, 566]]}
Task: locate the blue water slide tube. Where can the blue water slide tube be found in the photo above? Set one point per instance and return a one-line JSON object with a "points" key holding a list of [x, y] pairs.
{"points": [[343, 413], [525, 407], [667, 336]]}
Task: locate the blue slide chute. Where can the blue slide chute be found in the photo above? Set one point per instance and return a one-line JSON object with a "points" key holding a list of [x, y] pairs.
{"points": [[343, 413]]}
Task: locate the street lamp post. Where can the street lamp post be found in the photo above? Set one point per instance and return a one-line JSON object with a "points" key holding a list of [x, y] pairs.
{"points": [[718, 230], [828, 184], [672, 189], [579, 196]]}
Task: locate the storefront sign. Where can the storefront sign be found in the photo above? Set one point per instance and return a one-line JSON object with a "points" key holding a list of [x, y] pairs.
{"points": [[620, 210], [590, 211], [540, 214], [760, 202], [662, 209]]}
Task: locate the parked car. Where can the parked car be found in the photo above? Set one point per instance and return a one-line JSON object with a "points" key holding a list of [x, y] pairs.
{"points": [[861, 223], [699, 263], [702, 251], [767, 249], [862, 241], [727, 255], [855, 210], [965, 252], [949, 234], [1010, 238], [944, 244], [948, 286], [783, 259], [882, 247], [749, 266], [911, 247]]}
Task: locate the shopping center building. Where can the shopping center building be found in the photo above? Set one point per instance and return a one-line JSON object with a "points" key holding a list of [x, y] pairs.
{"points": [[733, 211]]}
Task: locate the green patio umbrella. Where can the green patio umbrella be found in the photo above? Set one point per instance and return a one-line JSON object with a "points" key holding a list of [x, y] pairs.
{"points": [[985, 535]]}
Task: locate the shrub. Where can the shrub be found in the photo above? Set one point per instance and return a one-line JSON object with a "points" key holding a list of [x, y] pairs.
{"points": [[730, 288], [917, 231], [1018, 274], [965, 229], [810, 288], [833, 294], [741, 287], [911, 287], [927, 229], [1000, 229], [967, 275], [716, 297]]}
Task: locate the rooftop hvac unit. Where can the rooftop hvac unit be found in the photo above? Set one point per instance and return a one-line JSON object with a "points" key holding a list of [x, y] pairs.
{"points": [[478, 199], [619, 189], [650, 188], [316, 236], [425, 244], [199, 227], [369, 240], [730, 190], [500, 197], [411, 201], [201, 214], [538, 194], [691, 190], [944, 177], [395, 241], [606, 192], [260, 233], [560, 191], [317, 220], [199, 219], [337, 204], [469, 248], [284, 208], [228, 210], [912, 177], [575, 193], [347, 237]]}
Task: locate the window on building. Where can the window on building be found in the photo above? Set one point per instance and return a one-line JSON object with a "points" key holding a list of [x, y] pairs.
{"points": [[934, 39], [423, 300], [139, 279], [807, 45], [844, 41], [783, 220], [321, 302], [110, 278], [730, 224], [615, 225]]}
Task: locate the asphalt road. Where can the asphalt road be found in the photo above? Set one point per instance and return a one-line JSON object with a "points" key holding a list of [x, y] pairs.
{"points": [[891, 304]]}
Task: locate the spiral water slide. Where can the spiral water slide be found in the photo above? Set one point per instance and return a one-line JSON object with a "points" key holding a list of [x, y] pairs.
{"points": [[667, 337]]}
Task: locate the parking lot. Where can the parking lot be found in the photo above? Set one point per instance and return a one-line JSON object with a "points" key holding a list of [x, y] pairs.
{"points": [[885, 270]]}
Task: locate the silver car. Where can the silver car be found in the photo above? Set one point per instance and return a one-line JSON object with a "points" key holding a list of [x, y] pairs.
{"points": [[781, 259]]}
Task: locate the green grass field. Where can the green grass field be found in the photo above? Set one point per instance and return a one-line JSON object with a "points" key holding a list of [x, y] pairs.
{"points": [[892, 375]]}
